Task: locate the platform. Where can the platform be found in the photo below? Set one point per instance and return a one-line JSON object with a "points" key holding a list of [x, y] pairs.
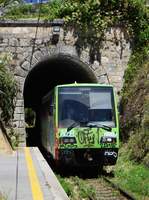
{"points": [[25, 175]]}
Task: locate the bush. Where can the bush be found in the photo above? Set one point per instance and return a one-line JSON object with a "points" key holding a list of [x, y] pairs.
{"points": [[30, 117], [139, 142], [9, 88]]}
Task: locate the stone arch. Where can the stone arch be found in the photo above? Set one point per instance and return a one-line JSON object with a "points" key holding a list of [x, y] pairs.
{"points": [[54, 70]]}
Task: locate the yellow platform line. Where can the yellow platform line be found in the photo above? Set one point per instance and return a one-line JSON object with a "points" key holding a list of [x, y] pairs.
{"points": [[35, 186]]}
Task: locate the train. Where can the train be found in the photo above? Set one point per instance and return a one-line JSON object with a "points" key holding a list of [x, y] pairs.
{"points": [[79, 124]]}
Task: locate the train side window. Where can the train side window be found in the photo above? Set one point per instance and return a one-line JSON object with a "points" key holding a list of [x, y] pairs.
{"points": [[51, 110], [51, 106]]}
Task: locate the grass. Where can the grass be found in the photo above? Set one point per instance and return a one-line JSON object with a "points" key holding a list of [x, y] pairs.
{"points": [[86, 192], [75, 188], [68, 186], [132, 177], [128, 175]]}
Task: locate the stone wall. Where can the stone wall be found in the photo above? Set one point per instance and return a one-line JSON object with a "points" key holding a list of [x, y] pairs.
{"points": [[18, 41]]}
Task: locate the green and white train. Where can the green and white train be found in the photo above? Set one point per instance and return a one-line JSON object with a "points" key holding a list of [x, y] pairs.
{"points": [[79, 124]]}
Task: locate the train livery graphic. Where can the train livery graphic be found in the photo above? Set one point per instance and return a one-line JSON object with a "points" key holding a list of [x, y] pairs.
{"points": [[79, 124]]}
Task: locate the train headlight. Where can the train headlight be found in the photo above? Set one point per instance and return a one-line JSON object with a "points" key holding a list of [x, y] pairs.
{"points": [[67, 140], [108, 137]]}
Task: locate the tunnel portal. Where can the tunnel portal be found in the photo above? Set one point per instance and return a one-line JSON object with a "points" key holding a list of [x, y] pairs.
{"points": [[51, 71]]}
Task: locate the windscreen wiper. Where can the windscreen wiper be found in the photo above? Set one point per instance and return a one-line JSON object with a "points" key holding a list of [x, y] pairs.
{"points": [[89, 124], [77, 123], [73, 126], [105, 127]]}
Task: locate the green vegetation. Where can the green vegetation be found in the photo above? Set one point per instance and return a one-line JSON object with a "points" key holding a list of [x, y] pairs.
{"points": [[84, 190], [8, 87], [135, 101], [130, 176], [67, 186], [47, 11], [8, 91], [30, 117], [13, 138], [131, 171], [95, 15], [91, 19], [76, 189], [7, 2]]}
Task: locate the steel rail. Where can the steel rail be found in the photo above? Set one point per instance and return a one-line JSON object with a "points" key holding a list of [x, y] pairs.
{"points": [[122, 191]]}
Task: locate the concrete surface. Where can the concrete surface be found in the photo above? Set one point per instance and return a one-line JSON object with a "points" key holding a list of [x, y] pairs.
{"points": [[15, 178]]}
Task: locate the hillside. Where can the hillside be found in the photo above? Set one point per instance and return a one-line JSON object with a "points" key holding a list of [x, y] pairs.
{"points": [[135, 116]]}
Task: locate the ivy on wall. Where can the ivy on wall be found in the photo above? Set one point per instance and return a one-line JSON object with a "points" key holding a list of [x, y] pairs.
{"points": [[95, 16], [8, 90]]}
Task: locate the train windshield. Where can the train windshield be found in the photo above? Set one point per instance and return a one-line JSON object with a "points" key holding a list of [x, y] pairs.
{"points": [[84, 105]]}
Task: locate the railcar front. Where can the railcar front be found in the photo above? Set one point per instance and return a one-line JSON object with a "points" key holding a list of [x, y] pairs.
{"points": [[86, 125]]}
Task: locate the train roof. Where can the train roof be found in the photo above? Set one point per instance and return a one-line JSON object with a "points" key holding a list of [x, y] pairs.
{"points": [[84, 84], [46, 97]]}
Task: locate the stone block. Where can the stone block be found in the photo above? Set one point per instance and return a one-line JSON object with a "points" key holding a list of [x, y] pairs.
{"points": [[20, 50], [20, 72], [95, 65], [20, 81], [21, 124], [19, 110], [20, 102], [67, 49], [6, 41], [24, 42], [1, 49], [10, 49], [38, 41], [14, 42], [85, 55], [19, 94], [16, 117], [104, 59], [3, 45], [38, 55], [25, 65], [34, 61]]}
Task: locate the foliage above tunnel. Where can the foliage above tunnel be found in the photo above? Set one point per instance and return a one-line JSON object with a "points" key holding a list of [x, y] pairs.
{"points": [[92, 17], [98, 15]]}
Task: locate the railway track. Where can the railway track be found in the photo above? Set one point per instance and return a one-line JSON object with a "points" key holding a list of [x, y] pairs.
{"points": [[98, 188], [104, 190]]}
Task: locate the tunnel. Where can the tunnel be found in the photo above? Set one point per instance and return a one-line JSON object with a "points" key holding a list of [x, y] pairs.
{"points": [[44, 76]]}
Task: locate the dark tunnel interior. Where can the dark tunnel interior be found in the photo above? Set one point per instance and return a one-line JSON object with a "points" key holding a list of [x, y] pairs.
{"points": [[51, 71]]}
